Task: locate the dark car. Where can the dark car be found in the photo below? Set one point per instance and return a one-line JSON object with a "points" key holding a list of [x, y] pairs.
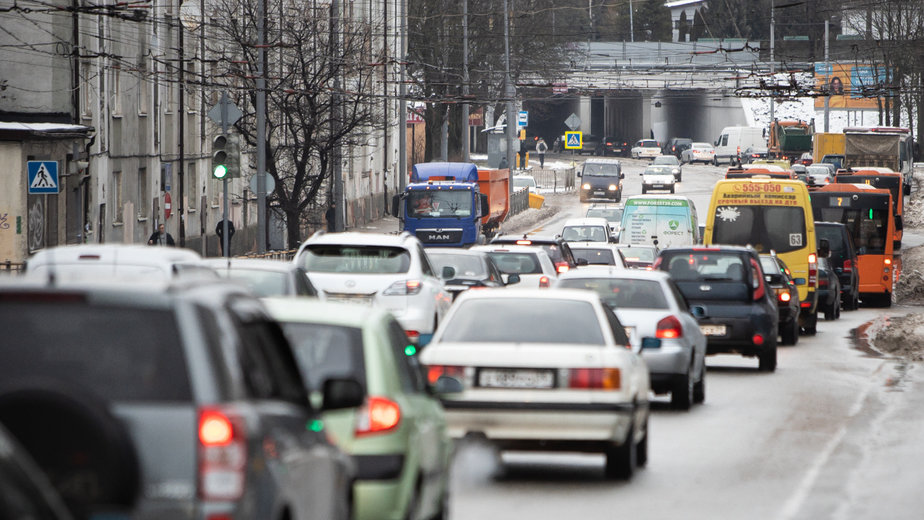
{"points": [[735, 307], [779, 277], [751, 154], [556, 247], [601, 179], [843, 258], [167, 400], [590, 144], [676, 146], [614, 146], [836, 159], [829, 290], [463, 269]]}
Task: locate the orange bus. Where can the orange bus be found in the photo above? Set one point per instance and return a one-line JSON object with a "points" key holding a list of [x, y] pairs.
{"points": [[879, 178], [867, 213], [753, 171]]}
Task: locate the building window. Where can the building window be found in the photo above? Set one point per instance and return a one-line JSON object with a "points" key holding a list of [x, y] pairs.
{"points": [[192, 182], [144, 88], [116, 197], [116, 93], [143, 199], [87, 101]]}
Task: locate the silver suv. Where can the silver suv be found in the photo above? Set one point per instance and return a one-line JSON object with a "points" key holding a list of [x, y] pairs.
{"points": [[167, 400]]}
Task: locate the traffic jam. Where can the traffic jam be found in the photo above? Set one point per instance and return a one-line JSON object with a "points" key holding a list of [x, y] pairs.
{"points": [[345, 380]]}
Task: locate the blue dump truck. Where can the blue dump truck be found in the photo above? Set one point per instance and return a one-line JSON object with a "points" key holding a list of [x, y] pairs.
{"points": [[453, 204]]}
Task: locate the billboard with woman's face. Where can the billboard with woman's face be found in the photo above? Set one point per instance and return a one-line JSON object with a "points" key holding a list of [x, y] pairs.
{"points": [[850, 85]]}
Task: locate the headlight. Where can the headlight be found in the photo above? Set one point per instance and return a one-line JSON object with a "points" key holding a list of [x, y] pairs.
{"points": [[612, 187], [676, 170], [586, 186]]}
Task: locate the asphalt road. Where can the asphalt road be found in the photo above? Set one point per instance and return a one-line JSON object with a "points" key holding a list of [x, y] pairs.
{"points": [[834, 433]]}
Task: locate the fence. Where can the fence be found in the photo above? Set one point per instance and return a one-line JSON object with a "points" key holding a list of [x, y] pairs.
{"points": [[9, 267], [519, 202], [554, 181]]}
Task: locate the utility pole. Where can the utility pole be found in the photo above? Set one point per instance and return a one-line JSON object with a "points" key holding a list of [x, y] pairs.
{"points": [[466, 129], [181, 114], [827, 85], [631, 24], [261, 128], [510, 95], [772, 63], [336, 113], [402, 103]]}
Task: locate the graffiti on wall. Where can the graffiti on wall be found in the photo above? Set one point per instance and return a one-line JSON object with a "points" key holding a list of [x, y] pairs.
{"points": [[4, 221], [36, 223]]}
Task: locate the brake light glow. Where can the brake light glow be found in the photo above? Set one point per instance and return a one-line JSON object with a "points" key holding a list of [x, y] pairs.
{"points": [[377, 415], [222, 456], [758, 339], [595, 378], [785, 296], [887, 261], [524, 242], [812, 270], [805, 305], [848, 266], [561, 267], [669, 328], [434, 372], [544, 282]]}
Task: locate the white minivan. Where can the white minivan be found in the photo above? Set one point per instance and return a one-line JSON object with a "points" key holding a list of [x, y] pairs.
{"points": [[735, 139], [661, 220]]}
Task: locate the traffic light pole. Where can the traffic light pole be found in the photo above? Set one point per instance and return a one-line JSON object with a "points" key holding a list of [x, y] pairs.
{"points": [[225, 239]]}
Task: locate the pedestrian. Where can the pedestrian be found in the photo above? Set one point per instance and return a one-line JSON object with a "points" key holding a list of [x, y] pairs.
{"points": [[503, 163], [161, 237], [541, 148], [331, 216]]}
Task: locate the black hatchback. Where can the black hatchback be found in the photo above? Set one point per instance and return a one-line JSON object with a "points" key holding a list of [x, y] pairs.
{"points": [[732, 301]]}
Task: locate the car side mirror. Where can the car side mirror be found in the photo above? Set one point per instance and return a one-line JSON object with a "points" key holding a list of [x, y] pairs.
{"points": [[513, 278], [651, 343], [824, 248], [698, 311], [622, 175], [447, 385], [581, 173], [342, 393], [448, 272]]}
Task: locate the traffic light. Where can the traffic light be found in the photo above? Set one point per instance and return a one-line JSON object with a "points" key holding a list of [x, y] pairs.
{"points": [[233, 159], [220, 156]]}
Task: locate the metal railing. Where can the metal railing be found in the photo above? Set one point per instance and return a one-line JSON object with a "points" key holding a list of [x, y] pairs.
{"points": [[519, 202], [12, 267], [554, 181]]}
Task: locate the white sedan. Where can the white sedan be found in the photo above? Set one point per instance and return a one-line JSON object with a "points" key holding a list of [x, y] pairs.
{"points": [[523, 265], [646, 148], [658, 178], [647, 305], [541, 371], [704, 152]]}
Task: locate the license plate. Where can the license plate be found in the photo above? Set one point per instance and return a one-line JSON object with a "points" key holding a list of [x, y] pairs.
{"points": [[515, 378], [712, 330], [657, 185], [599, 193]]}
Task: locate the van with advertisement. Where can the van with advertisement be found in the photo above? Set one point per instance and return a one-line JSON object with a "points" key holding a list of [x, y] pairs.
{"points": [[661, 220], [735, 139], [771, 215]]}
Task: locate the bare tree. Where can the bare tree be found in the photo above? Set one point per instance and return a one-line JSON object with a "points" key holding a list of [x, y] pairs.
{"points": [[319, 93]]}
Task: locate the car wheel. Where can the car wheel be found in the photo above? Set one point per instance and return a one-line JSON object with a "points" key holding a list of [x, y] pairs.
{"points": [[644, 191], [767, 359], [699, 388], [829, 312], [810, 324], [855, 301], [672, 189], [619, 197], [715, 161], [621, 459], [682, 392], [790, 333], [641, 449]]}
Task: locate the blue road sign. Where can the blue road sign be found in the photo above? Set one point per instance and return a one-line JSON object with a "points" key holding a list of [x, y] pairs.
{"points": [[573, 140], [43, 176]]}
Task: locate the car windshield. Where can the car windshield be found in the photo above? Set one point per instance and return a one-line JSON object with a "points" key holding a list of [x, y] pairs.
{"points": [[337, 258], [638, 254], [439, 203], [584, 234], [600, 170], [765, 227], [261, 282], [124, 354], [547, 320], [621, 293], [516, 263], [702, 145], [707, 265], [610, 214], [600, 256], [326, 351], [466, 266]]}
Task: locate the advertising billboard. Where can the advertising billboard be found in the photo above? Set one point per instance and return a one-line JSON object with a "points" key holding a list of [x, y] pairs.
{"points": [[851, 85]]}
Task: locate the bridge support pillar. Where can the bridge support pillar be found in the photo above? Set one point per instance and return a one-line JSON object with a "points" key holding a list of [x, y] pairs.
{"points": [[584, 112]]}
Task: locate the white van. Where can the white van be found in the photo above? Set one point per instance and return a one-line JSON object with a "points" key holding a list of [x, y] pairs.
{"points": [[670, 220], [735, 139], [83, 261]]}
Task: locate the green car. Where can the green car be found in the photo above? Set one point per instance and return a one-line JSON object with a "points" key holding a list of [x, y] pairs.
{"points": [[398, 438]]}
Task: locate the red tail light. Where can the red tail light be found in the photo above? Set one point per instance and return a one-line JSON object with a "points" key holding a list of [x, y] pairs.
{"points": [[805, 305], [758, 339], [823, 282], [597, 378], [669, 328], [760, 290], [434, 372], [812, 270], [785, 296], [377, 415], [222, 455], [848, 266], [524, 242], [544, 282], [562, 267], [413, 335]]}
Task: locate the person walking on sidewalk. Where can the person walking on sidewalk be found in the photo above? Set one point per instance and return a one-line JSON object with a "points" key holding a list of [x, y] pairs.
{"points": [[541, 148], [160, 237], [331, 216]]}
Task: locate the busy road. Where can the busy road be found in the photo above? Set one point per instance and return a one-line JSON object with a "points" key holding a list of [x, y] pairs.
{"points": [[825, 436]]}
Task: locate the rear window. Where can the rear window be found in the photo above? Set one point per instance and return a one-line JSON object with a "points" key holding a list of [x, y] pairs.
{"points": [[834, 236], [610, 214], [335, 258], [707, 265], [326, 351], [624, 294], [466, 266], [638, 254], [123, 354], [595, 256], [504, 320], [262, 283], [584, 234], [519, 263]]}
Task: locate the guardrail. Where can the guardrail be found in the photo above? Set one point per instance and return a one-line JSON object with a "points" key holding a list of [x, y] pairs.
{"points": [[519, 202], [556, 181]]}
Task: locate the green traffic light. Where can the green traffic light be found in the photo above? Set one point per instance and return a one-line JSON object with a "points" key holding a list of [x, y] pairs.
{"points": [[220, 171], [410, 350]]}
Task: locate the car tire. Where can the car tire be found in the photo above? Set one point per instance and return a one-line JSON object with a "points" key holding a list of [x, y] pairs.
{"points": [[672, 189], [790, 335], [767, 359], [641, 449], [810, 324], [71, 434], [621, 459], [699, 388], [619, 196], [644, 191], [715, 162], [682, 392], [830, 313]]}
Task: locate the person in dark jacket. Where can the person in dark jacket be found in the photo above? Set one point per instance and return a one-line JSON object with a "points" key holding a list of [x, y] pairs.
{"points": [[161, 237], [331, 216]]}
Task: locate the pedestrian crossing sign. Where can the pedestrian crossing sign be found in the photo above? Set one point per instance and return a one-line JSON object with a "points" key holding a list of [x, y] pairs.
{"points": [[43, 176], [573, 140]]}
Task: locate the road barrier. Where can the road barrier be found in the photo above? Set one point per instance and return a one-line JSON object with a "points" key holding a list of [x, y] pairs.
{"points": [[554, 181]]}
